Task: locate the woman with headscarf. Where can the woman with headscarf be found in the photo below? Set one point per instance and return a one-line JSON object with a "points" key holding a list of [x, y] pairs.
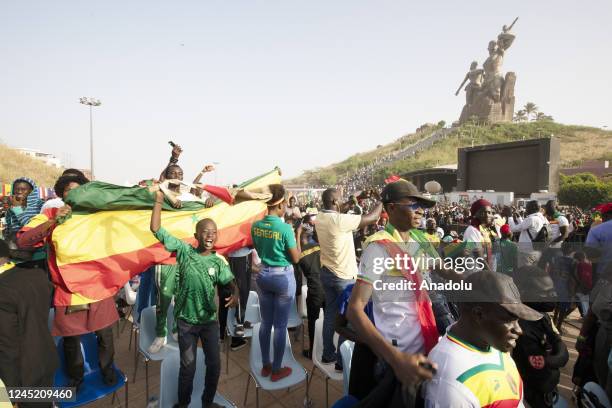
{"points": [[25, 205], [481, 236]]}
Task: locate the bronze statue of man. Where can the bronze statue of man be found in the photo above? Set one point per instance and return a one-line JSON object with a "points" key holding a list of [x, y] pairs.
{"points": [[476, 77]]}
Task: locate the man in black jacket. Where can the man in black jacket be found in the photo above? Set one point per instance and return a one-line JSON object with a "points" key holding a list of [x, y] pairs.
{"points": [[540, 352], [28, 357], [310, 266]]}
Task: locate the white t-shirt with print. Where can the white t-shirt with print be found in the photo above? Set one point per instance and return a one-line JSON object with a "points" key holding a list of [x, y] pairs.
{"points": [[395, 311], [472, 378]]}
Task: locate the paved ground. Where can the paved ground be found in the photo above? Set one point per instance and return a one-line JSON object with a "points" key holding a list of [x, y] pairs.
{"points": [[233, 383]]}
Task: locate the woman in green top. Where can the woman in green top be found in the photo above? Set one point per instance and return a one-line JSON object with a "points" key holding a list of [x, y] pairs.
{"points": [[275, 244]]}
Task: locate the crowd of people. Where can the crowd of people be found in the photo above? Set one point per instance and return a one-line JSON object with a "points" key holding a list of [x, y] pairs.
{"points": [[449, 304], [557, 256], [363, 177]]}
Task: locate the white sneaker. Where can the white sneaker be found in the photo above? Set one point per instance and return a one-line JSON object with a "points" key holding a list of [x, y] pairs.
{"points": [[157, 344]]}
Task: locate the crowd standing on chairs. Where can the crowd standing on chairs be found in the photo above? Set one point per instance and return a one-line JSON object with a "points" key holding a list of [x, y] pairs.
{"points": [[448, 304]]}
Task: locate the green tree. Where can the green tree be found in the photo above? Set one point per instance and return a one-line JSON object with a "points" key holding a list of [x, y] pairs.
{"points": [[520, 116], [541, 117], [530, 109], [586, 194], [578, 178]]}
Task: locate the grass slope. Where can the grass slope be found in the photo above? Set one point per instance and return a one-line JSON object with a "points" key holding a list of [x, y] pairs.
{"points": [[578, 143], [14, 164]]}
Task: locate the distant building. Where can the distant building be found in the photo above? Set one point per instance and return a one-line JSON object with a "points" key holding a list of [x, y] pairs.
{"points": [[48, 158], [600, 168]]}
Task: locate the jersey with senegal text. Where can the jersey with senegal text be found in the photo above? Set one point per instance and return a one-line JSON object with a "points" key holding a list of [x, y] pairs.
{"points": [[470, 377]]}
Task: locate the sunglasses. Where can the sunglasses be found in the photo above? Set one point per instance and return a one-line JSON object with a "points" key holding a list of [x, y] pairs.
{"points": [[411, 206]]}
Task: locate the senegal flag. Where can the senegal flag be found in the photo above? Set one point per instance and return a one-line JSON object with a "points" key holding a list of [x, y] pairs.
{"points": [[107, 239]]}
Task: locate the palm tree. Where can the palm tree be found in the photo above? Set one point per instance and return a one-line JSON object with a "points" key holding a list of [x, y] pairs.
{"points": [[530, 109], [541, 116], [520, 116]]}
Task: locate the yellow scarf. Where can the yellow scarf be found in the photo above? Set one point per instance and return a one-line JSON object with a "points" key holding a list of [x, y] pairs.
{"points": [[6, 267]]}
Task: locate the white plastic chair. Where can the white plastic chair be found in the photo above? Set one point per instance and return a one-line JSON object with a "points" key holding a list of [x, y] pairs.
{"points": [[303, 308], [295, 320], [252, 314], [132, 318], [317, 355], [591, 389], [146, 337], [298, 373], [346, 353], [304, 311], [168, 386], [50, 324]]}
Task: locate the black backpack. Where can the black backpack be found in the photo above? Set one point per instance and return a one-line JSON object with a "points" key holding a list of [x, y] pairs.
{"points": [[543, 235]]}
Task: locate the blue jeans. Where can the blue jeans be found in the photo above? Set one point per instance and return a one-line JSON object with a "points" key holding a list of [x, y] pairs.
{"points": [[147, 295], [276, 294], [333, 287]]}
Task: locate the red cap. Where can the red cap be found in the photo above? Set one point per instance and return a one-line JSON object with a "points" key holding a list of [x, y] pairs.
{"points": [[604, 208], [392, 179], [505, 229]]}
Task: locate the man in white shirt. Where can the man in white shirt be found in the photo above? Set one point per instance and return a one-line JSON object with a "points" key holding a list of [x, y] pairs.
{"points": [[510, 219], [559, 228], [403, 332], [338, 261], [559, 224], [529, 229]]}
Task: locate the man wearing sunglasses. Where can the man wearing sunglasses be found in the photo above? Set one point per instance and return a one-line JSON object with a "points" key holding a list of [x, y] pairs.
{"points": [[405, 328]]}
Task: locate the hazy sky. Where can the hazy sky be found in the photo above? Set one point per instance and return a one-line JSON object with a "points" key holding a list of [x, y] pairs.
{"points": [[254, 84]]}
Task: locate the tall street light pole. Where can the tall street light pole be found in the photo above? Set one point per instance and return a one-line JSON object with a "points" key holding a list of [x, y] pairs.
{"points": [[91, 102]]}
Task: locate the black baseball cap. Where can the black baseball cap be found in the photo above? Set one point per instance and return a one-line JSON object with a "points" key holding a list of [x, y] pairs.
{"points": [[494, 287], [401, 188], [535, 285]]}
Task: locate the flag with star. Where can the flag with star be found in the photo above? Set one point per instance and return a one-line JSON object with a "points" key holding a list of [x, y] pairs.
{"points": [[107, 239]]}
